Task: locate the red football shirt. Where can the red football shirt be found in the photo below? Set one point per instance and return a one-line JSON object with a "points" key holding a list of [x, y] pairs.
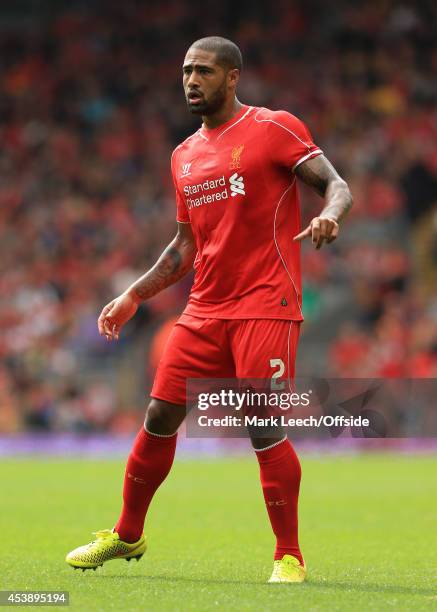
{"points": [[236, 185]]}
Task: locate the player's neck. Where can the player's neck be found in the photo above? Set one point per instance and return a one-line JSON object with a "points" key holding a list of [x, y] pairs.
{"points": [[223, 115]]}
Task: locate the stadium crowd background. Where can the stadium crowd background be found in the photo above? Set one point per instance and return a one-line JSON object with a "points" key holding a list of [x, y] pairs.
{"points": [[91, 106]]}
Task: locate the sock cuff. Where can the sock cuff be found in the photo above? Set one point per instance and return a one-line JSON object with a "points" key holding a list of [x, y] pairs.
{"points": [[275, 452], [261, 450], [156, 435]]}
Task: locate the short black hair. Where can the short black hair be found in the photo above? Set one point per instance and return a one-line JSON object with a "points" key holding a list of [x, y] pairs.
{"points": [[227, 53]]}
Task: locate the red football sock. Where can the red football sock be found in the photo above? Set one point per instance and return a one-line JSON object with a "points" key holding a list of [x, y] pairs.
{"points": [[148, 464], [280, 480]]}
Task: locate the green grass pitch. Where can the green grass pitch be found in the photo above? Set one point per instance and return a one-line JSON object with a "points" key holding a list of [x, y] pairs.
{"points": [[367, 531]]}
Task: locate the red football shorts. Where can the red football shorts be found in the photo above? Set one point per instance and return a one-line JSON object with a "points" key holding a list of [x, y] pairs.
{"points": [[224, 348]]}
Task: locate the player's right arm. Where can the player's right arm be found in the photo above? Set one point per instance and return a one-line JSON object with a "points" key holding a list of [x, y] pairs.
{"points": [[175, 262]]}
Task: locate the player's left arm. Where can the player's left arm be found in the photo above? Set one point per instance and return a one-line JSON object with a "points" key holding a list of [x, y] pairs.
{"points": [[321, 175]]}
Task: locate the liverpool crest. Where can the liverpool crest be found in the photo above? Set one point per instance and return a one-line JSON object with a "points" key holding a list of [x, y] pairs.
{"points": [[236, 158]]}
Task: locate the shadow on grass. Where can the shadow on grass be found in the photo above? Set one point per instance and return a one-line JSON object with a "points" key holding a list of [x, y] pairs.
{"points": [[310, 584]]}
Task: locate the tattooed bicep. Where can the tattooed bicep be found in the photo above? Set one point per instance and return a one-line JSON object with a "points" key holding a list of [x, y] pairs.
{"points": [[317, 172]]}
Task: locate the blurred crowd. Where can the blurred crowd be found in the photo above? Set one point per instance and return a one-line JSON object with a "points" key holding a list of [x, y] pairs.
{"points": [[91, 106]]}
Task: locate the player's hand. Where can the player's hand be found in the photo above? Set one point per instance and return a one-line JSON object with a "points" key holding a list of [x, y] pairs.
{"points": [[320, 229], [115, 314]]}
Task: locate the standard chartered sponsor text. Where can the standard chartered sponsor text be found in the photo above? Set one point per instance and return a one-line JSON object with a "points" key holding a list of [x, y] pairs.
{"points": [[206, 198]]}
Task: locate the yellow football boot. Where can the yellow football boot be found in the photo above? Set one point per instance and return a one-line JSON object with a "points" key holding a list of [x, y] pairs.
{"points": [[105, 547], [288, 569]]}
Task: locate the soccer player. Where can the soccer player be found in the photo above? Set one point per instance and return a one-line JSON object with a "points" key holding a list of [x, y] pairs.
{"points": [[239, 224]]}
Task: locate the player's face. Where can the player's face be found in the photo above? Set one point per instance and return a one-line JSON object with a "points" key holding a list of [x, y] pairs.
{"points": [[206, 84]]}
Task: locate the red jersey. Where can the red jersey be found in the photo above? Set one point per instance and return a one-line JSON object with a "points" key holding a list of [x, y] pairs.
{"points": [[236, 185]]}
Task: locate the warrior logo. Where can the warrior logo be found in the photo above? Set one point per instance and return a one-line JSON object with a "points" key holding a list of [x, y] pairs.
{"points": [[186, 169]]}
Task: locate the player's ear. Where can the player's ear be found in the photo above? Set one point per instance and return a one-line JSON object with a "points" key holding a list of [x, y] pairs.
{"points": [[233, 76]]}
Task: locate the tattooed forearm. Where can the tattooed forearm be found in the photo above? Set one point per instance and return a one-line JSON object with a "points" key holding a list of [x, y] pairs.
{"points": [[321, 175], [175, 262]]}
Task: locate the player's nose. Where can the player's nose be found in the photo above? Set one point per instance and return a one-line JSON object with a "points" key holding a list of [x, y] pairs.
{"points": [[193, 81]]}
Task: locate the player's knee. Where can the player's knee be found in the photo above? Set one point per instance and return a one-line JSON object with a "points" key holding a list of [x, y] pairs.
{"points": [[163, 418]]}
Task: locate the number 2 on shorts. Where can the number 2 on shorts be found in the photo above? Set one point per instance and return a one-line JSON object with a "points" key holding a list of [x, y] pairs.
{"points": [[275, 384]]}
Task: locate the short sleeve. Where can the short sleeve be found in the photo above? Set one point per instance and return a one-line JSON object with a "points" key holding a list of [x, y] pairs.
{"points": [[290, 141], [181, 208]]}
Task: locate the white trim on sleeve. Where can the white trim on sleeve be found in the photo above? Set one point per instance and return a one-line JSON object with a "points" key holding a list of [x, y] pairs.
{"points": [[307, 156]]}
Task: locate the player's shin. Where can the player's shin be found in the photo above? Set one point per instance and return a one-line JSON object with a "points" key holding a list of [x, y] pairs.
{"points": [[147, 467], [280, 474]]}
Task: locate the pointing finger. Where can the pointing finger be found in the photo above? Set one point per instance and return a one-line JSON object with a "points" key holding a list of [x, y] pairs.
{"points": [[304, 234]]}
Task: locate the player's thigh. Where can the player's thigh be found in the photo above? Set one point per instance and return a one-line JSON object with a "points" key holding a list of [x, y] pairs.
{"points": [[196, 348], [265, 348]]}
